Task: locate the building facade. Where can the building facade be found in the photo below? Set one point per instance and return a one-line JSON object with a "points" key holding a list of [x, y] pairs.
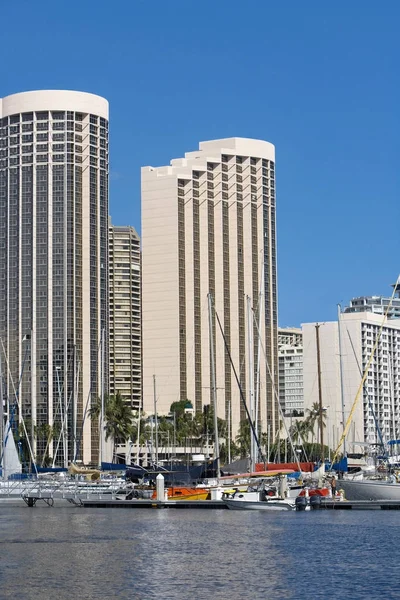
{"points": [[290, 350], [380, 396], [125, 314], [208, 227], [376, 304], [53, 263]]}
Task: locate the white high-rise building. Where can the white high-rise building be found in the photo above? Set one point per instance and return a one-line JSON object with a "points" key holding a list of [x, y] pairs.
{"points": [[208, 226], [53, 261], [381, 393], [125, 321], [290, 350]]}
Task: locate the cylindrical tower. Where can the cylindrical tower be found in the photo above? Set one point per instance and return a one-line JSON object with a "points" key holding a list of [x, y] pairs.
{"points": [[53, 263]]}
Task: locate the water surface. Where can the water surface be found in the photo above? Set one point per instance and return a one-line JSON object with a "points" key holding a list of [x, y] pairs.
{"points": [[67, 552]]}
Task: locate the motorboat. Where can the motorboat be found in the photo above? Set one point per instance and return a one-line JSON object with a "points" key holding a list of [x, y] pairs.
{"points": [[268, 503]]}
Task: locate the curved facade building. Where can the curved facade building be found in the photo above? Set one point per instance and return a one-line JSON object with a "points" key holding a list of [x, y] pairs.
{"points": [[208, 226], [53, 262]]}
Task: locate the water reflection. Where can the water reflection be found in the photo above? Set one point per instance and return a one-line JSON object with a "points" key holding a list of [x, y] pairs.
{"points": [[79, 553]]}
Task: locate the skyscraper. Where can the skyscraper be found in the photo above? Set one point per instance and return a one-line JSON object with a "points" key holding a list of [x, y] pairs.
{"points": [[208, 226], [125, 318], [53, 261]]}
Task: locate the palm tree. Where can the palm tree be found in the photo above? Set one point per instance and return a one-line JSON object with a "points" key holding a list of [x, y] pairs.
{"points": [[118, 418], [243, 438], [313, 417]]}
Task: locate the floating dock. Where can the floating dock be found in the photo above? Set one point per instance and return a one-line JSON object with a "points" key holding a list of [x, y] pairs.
{"points": [[108, 503], [360, 505], [219, 504]]}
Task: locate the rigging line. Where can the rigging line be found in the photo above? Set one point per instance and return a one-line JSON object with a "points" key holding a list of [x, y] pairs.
{"points": [[368, 396], [54, 416], [71, 394], [277, 399], [360, 387], [240, 390], [78, 444], [17, 401]]}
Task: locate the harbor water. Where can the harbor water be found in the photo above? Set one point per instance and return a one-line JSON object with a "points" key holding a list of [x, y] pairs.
{"points": [[66, 552]]}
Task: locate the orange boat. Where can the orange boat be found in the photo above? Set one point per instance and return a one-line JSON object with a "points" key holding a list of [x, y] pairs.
{"points": [[186, 493]]}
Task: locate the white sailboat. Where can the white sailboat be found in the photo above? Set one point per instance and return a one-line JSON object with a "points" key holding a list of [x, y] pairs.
{"points": [[11, 464]]}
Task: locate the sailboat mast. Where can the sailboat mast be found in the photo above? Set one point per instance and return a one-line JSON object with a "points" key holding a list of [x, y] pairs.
{"points": [[257, 390], [102, 399], [229, 432], [321, 422], [213, 384], [1, 410], [75, 408], [2, 433], [341, 374], [391, 388], [155, 416], [250, 350]]}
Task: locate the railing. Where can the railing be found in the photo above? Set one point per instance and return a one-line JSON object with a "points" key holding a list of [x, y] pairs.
{"points": [[69, 489]]}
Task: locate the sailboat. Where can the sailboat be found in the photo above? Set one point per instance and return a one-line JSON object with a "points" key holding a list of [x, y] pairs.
{"points": [[11, 464]]}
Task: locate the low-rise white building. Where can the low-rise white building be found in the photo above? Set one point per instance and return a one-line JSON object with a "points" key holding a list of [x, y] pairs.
{"points": [[380, 394]]}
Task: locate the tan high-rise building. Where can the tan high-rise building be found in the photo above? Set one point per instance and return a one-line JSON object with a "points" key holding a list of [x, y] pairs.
{"points": [[53, 262], [208, 226], [125, 321]]}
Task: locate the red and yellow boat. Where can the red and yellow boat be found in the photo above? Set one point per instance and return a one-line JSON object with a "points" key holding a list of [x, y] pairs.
{"points": [[186, 493]]}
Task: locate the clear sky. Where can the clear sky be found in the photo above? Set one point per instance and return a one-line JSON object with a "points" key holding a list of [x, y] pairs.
{"points": [[320, 80]]}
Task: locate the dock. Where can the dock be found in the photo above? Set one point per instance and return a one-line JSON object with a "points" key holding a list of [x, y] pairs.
{"points": [[109, 503], [360, 505], [219, 504]]}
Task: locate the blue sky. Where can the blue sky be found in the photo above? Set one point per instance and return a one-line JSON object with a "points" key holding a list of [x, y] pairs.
{"points": [[319, 80]]}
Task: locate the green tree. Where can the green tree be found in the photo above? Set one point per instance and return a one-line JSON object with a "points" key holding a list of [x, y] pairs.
{"points": [[313, 418], [179, 407], [243, 438]]}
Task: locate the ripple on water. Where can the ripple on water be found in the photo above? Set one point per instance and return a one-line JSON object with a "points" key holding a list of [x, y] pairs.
{"points": [[65, 553]]}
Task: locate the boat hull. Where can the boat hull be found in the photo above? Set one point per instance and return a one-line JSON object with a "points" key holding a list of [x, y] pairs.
{"points": [[199, 496], [261, 505], [370, 490]]}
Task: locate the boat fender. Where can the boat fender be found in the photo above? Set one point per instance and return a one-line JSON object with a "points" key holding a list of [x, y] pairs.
{"points": [[341, 494]]}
